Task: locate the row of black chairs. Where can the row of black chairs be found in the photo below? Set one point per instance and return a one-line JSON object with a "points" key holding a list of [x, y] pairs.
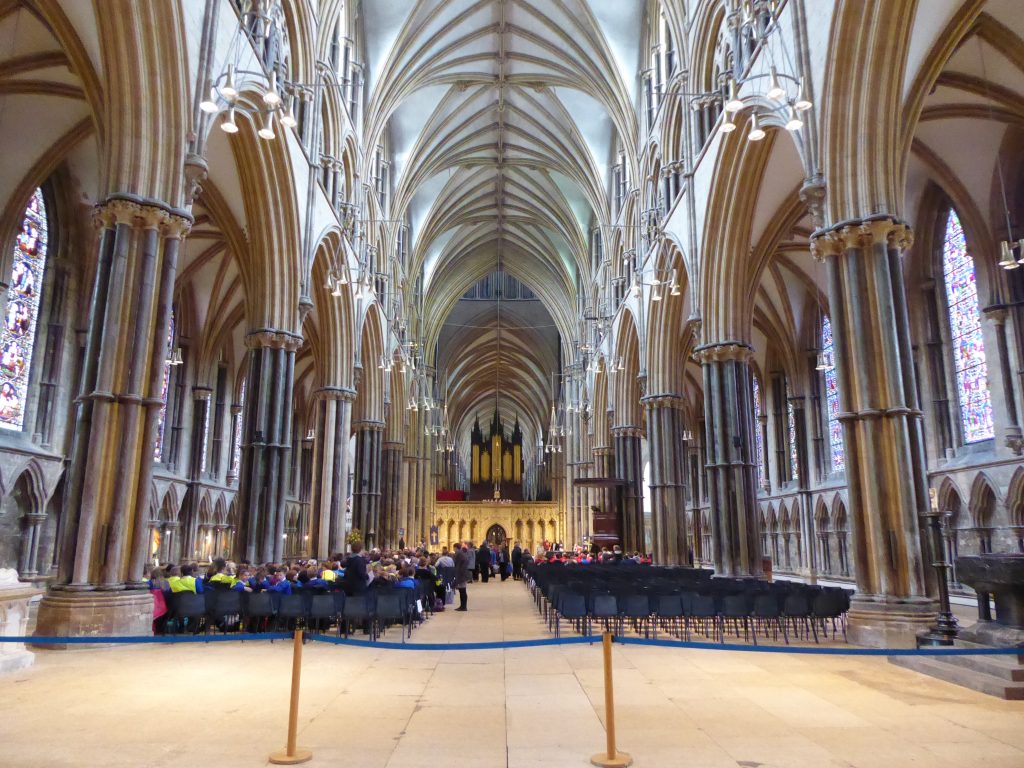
{"points": [[231, 611], [679, 601]]}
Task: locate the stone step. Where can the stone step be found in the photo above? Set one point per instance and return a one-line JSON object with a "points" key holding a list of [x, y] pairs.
{"points": [[950, 670]]}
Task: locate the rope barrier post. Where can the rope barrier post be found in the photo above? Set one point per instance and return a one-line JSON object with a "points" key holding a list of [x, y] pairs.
{"points": [[611, 757], [293, 755]]}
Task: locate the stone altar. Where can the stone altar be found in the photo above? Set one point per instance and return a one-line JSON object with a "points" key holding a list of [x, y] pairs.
{"points": [[15, 597]]}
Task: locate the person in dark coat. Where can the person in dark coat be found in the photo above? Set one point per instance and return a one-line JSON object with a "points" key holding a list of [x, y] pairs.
{"points": [[503, 562], [356, 579], [463, 568], [517, 562], [483, 561]]}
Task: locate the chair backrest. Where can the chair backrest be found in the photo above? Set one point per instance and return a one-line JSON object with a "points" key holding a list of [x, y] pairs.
{"points": [[259, 604], [636, 606], [228, 603], [702, 606], [292, 606], [605, 605], [357, 607], [766, 604], [322, 607], [669, 606], [189, 605], [796, 604], [390, 605], [573, 605], [736, 605], [339, 601]]}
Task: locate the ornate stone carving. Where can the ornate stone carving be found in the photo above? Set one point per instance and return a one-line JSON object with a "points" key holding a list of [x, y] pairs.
{"points": [[726, 350]]}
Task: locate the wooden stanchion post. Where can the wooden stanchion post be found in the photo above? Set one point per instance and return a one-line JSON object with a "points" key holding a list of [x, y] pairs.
{"points": [[611, 757], [292, 754]]}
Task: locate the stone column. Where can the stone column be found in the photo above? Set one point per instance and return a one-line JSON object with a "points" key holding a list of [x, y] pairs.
{"points": [[1013, 438], [604, 466], [266, 443], [882, 426], [627, 467], [391, 471], [730, 456], [106, 509], [28, 565], [668, 478], [330, 470], [200, 408], [366, 493]]}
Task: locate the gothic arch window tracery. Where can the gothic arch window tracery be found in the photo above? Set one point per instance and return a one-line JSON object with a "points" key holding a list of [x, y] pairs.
{"points": [[968, 348], [17, 338], [762, 475]]}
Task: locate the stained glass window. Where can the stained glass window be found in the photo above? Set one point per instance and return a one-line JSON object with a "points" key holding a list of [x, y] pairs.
{"points": [[965, 333], [158, 449], [206, 434], [835, 429], [236, 458], [18, 335], [758, 436], [791, 418]]}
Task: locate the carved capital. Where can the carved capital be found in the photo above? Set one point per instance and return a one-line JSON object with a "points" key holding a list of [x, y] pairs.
{"points": [[275, 339], [627, 431], [202, 393], [723, 351], [857, 235], [664, 400], [345, 394]]}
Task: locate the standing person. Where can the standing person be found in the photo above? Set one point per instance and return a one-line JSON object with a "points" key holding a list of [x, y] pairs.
{"points": [[483, 562], [503, 561], [517, 562], [356, 578], [463, 560]]}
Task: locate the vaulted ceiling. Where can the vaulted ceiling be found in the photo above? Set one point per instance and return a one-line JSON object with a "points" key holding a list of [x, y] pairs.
{"points": [[502, 118]]}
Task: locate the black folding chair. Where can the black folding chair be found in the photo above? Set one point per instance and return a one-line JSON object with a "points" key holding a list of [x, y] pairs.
{"points": [[190, 612], [258, 610]]}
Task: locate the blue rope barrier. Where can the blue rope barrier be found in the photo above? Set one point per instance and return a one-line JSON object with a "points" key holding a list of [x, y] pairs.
{"points": [[143, 639], [503, 644], [487, 646], [819, 651]]}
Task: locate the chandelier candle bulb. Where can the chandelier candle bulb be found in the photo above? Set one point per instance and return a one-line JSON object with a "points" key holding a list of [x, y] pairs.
{"points": [[228, 124], [267, 131], [802, 103], [775, 90], [734, 103], [272, 98], [756, 131], [228, 90]]}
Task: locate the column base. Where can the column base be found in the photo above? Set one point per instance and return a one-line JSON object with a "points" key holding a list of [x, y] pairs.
{"points": [[889, 622], [81, 614]]}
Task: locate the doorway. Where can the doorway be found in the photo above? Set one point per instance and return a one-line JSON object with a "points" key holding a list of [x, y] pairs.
{"points": [[496, 535]]}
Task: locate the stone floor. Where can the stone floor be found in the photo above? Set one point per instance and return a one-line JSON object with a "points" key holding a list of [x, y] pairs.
{"points": [[225, 705]]}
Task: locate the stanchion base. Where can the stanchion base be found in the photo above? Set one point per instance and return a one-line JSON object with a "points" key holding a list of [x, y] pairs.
{"points": [[620, 760], [283, 758]]}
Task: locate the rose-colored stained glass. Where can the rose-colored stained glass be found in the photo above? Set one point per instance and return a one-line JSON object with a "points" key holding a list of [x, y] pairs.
{"points": [[965, 333]]}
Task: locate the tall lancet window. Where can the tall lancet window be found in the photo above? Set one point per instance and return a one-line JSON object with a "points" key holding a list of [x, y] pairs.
{"points": [[762, 478], [236, 451], [835, 429], [965, 334], [18, 336], [794, 461], [158, 449]]}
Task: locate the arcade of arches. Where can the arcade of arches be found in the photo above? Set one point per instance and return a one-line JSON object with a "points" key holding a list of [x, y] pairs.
{"points": [[487, 248]]}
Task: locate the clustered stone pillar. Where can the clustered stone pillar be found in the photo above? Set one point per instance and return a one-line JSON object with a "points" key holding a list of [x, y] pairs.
{"points": [[366, 492], [391, 476], [668, 475], [882, 426], [604, 466], [330, 469], [730, 457], [266, 445], [107, 504], [627, 467], [1013, 438], [28, 565]]}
